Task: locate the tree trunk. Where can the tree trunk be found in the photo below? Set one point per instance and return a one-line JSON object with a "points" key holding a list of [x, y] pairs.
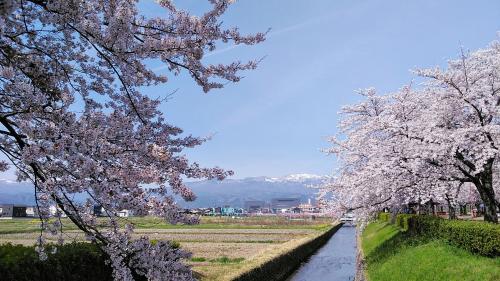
{"points": [[433, 208], [463, 209], [488, 197], [452, 214], [394, 214], [484, 186]]}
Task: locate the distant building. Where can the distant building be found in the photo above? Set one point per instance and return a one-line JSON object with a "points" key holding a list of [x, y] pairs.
{"points": [[283, 205], [227, 211], [17, 211], [123, 213], [199, 211], [217, 211], [99, 211], [31, 211], [254, 206], [55, 211], [230, 211], [307, 208]]}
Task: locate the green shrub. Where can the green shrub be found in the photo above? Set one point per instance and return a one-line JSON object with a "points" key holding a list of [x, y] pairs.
{"points": [[402, 221], [226, 260], [384, 217], [198, 259], [175, 244], [477, 237], [75, 261], [481, 238]]}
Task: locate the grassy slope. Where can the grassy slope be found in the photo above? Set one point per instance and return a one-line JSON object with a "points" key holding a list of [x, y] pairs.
{"points": [[321, 224], [391, 257]]}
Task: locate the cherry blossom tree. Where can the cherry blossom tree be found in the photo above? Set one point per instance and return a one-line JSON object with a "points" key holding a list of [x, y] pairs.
{"points": [[420, 145], [74, 121]]}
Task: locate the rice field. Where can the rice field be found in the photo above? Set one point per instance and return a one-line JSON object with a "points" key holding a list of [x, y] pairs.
{"points": [[220, 246]]}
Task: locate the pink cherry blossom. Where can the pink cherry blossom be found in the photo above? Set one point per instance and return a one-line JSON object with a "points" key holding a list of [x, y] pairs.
{"points": [[423, 142], [75, 122]]}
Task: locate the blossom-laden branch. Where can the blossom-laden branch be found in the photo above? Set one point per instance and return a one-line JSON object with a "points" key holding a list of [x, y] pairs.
{"points": [[422, 144], [74, 121]]}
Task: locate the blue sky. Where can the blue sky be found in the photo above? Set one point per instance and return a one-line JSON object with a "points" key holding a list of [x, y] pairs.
{"points": [[276, 120]]}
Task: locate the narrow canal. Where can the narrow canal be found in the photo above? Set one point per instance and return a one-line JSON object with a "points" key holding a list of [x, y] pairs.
{"points": [[335, 261]]}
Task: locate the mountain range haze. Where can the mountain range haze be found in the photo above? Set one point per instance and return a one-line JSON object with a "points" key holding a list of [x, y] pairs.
{"points": [[210, 193]]}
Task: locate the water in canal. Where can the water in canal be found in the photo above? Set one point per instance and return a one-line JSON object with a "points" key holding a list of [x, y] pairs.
{"points": [[335, 261]]}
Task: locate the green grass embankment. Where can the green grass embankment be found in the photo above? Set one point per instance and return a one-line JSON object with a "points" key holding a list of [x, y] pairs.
{"points": [[392, 255], [26, 225]]}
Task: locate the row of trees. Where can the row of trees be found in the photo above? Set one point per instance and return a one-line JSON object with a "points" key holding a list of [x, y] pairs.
{"points": [[73, 121], [423, 142]]}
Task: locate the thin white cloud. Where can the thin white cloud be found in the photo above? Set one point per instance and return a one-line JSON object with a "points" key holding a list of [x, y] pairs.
{"points": [[216, 52], [269, 35]]}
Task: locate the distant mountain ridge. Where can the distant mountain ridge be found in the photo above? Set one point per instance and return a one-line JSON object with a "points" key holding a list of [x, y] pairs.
{"points": [[210, 193], [12, 192], [234, 192], [299, 178]]}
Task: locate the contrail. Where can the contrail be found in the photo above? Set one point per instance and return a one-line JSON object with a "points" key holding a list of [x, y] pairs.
{"points": [[270, 35]]}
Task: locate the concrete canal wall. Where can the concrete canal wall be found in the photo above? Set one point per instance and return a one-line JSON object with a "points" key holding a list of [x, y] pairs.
{"points": [[336, 260], [279, 268]]}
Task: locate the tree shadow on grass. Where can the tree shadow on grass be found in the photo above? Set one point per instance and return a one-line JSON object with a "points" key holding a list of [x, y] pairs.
{"points": [[393, 245]]}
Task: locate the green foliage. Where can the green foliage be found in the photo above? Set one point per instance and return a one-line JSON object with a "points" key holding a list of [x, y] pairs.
{"points": [[477, 237], [75, 261], [198, 259], [385, 217], [174, 244], [402, 221], [226, 260], [392, 254]]}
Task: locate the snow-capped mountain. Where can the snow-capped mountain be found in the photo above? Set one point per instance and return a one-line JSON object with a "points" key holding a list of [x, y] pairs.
{"points": [[235, 192], [299, 178], [210, 193]]}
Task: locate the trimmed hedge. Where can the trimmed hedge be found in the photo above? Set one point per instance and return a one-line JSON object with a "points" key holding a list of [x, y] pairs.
{"points": [[384, 217], [477, 237], [75, 261], [481, 238], [282, 266], [402, 221]]}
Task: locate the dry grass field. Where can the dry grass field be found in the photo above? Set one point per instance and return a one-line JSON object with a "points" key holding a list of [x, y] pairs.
{"points": [[221, 246]]}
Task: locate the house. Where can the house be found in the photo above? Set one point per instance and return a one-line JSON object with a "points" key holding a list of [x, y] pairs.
{"points": [[31, 211], [55, 210], [217, 211], [123, 213], [306, 208], [230, 211], [17, 211], [99, 211]]}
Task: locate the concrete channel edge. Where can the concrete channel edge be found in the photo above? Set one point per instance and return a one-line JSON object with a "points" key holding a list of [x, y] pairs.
{"points": [[282, 266]]}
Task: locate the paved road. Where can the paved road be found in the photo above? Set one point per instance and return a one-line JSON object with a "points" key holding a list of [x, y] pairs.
{"points": [[335, 261]]}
